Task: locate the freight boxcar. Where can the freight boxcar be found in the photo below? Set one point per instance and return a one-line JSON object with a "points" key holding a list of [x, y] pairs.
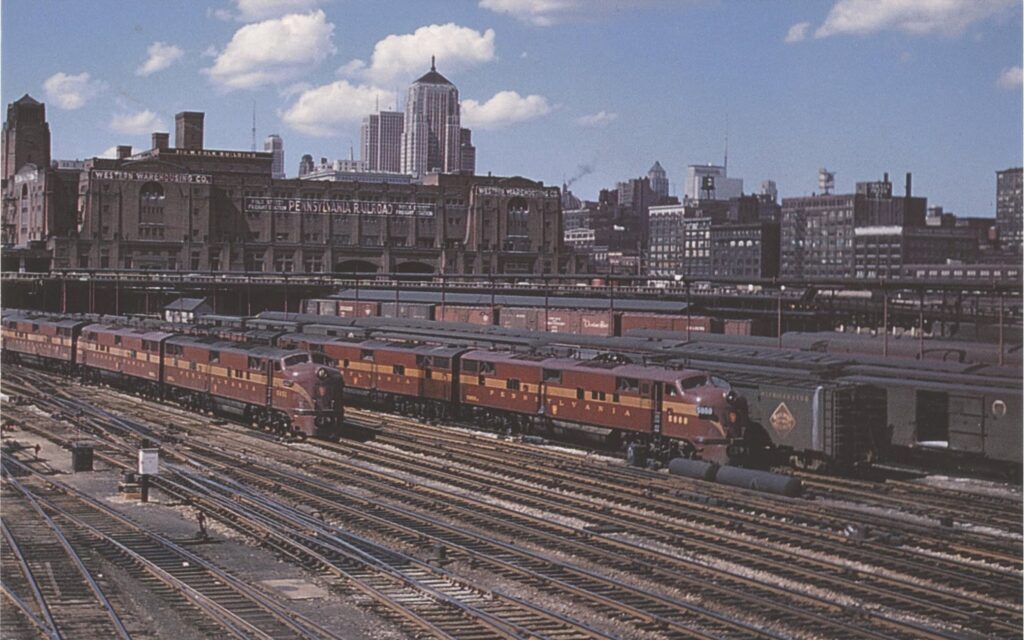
{"points": [[413, 310], [467, 314], [664, 322], [357, 309]]}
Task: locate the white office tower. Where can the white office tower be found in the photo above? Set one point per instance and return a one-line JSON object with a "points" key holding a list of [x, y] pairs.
{"points": [[380, 141], [709, 182]]}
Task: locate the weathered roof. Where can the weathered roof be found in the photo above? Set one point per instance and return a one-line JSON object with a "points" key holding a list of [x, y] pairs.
{"points": [[186, 304]]}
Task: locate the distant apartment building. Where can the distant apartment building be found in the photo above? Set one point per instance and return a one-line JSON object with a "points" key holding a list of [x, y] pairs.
{"points": [[680, 242], [745, 250], [848, 235], [467, 161], [275, 146], [380, 141], [659, 181], [1008, 210], [305, 165]]}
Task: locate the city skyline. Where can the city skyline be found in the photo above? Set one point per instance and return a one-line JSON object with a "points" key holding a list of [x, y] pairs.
{"points": [[794, 86]]}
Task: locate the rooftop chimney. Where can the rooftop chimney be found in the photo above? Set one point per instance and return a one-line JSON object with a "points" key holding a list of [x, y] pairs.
{"points": [[161, 140], [908, 184], [885, 177], [188, 130], [124, 151]]}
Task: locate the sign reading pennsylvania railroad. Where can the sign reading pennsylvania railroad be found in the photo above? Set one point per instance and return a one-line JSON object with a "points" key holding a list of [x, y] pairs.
{"points": [[336, 207]]}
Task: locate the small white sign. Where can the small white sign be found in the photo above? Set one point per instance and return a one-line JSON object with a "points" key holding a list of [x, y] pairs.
{"points": [[149, 462]]}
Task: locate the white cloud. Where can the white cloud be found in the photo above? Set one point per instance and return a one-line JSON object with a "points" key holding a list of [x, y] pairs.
{"points": [[210, 52], [599, 119], [273, 51], [457, 49], [160, 57], [71, 92], [294, 89], [351, 68], [110, 153], [320, 110], [544, 13], [135, 124], [797, 32], [256, 10], [1011, 78], [505, 108], [916, 17]]}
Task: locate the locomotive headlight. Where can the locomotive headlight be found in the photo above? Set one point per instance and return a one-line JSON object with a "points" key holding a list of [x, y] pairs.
{"points": [[321, 373], [731, 397]]}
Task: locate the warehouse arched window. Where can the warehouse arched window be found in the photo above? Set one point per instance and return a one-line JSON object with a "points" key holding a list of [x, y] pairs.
{"points": [[152, 192]]}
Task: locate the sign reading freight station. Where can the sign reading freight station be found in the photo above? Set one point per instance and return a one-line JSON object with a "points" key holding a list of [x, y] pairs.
{"points": [[336, 207]]}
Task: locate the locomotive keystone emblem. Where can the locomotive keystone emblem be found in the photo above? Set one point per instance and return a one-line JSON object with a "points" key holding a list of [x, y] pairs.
{"points": [[782, 419]]}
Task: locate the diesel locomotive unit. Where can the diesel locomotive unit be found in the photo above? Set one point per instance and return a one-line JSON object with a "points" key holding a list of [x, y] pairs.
{"points": [[288, 391], [697, 412]]}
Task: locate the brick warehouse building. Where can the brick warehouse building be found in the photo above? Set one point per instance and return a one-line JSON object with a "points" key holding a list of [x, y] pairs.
{"points": [[196, 209]]}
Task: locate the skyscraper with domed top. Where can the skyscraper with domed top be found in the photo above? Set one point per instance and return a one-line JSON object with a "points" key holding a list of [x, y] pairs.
{"points": [[432, 138]]}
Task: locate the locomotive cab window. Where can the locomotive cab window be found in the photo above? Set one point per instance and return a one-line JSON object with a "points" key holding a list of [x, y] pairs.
{"points": [[214, 357], [512, 384], [645, 388], [298, 358], [552, 375], [470, 366], [442, 363], [627, 385], [398, 369], [366, 355], [693, 383]]}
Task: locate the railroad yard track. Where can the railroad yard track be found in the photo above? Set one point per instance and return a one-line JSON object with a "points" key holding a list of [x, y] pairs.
{"points": [[474, 528]]}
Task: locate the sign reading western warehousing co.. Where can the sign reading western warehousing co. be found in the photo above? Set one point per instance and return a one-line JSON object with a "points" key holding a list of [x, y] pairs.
{"points": [[522, 192], [150, 176], [336, 207]]}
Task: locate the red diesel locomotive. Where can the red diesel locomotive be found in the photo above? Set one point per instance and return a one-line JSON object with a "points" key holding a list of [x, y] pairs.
{"points": [[285, 390], [698, 412]]}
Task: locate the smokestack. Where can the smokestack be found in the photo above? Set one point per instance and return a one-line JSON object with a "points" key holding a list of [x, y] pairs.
{"points": [[188, 130], [161, 140], [908, 184], [124, 151], [885, 177]]}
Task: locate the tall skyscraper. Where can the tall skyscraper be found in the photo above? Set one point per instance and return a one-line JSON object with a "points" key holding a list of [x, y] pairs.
{"points": [[305, 165], [380, 141], [431, 136], [659, 181], [1008, 209], [26, 136], [275, 145]]}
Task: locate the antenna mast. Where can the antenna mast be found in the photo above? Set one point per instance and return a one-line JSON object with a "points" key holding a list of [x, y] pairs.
{"points": [[253, 125]]}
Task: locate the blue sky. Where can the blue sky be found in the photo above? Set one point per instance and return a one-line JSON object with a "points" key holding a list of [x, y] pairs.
{"points": [[555, 88]]}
